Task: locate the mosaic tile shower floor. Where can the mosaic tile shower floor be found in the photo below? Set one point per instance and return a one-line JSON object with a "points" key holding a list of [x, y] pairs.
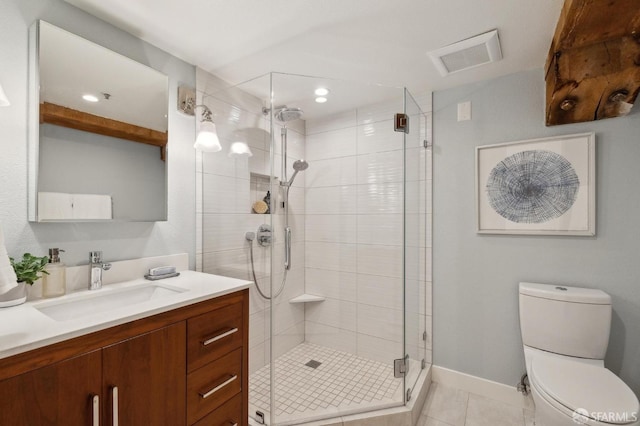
{"points": [[342, 382]]}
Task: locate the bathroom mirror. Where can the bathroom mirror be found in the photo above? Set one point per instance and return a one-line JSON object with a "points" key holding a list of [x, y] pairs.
{"points": [[97, 132]]}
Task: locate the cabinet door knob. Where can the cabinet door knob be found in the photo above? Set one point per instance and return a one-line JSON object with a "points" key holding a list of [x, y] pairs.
{"points": [[217, 388], [114, 405], [95, 410], [219, 336]]}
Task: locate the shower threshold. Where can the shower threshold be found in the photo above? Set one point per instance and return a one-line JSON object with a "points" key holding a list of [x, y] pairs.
{"points": [[340, 384]]}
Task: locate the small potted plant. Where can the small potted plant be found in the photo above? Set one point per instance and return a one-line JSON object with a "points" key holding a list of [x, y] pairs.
{"points": [[28, 270], [29, 267]]}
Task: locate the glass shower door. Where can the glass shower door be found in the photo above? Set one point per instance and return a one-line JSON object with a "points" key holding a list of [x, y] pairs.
{"points": [[414, 243]]}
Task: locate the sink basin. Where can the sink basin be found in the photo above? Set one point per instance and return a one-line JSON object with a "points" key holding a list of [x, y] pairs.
{"points": [[98, 301]]}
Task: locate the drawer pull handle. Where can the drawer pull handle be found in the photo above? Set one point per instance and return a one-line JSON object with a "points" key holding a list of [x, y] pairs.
{"points": [[96, 410], [114, 406], [219, 336], [217, 388], [233, 424]]}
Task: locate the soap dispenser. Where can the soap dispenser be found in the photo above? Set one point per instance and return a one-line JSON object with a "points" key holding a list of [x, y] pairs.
{"points": [[54, 284]]}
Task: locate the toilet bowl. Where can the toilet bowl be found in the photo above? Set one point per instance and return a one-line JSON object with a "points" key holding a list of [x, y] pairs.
{"points": [[565, 334], [570, 392]]}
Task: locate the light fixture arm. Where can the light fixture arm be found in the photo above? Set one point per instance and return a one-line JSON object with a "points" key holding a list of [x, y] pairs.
{"points": [[189, 105]]}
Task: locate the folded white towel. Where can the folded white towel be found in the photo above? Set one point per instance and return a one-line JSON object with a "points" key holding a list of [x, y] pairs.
{"points": [[62, 206], [55, 206], [8, 278], [91, 206]]}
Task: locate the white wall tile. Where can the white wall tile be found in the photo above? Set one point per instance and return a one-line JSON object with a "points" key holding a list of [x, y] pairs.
{"points": [[380, 229], [288, 339], [380, 291], [331, 337], [331, 172], [333, 284], [334, 228], [378, 349], [331, 200], [381, 167], [380, 260], [383, 323], [286, 315], [226, 231], [378, 137], [332, 256], [332, 144], [256, 329], [332, 122], [379, 198], [333, 312]]}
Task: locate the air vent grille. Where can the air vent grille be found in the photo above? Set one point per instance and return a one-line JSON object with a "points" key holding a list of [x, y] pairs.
{"points": [[466, 54]]}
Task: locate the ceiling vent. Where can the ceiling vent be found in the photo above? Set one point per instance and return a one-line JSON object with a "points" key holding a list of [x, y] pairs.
{"points": [[467, 54]]}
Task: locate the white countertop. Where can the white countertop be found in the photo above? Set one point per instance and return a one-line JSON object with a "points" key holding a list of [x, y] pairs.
{"points": [[23, 327]]}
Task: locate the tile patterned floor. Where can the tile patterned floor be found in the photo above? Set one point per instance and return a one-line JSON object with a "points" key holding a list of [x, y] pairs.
{"points": [[340, 382], [447, 406]]}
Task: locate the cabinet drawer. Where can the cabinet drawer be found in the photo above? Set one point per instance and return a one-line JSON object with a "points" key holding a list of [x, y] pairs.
{"points": [[229, 414], [212, 385], [214, 334]]}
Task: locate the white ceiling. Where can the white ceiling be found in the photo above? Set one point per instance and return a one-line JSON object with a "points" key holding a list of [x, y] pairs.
{"points": [[377, 41]]}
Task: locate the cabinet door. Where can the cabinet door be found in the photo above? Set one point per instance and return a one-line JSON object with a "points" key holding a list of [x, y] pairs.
{"points": [[59, 394], [144, 379]]}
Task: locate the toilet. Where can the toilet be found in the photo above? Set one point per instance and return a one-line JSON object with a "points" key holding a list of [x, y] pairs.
{"points": [[565, 334]]}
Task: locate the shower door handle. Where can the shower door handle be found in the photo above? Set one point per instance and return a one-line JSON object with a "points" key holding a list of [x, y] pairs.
{"points": [[287, 248]]}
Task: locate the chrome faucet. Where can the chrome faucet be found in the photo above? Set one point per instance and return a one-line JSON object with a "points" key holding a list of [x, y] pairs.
{"points": [[95, 269]]}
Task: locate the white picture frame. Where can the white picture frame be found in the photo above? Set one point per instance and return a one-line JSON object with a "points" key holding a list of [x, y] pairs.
{"points": [[537, 187]]}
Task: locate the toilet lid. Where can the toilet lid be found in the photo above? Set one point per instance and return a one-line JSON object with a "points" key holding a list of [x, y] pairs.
{"points": [[593, 389]]}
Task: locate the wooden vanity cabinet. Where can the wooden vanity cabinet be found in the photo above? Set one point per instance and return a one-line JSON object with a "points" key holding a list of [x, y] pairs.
{"points": [[187, 366]]}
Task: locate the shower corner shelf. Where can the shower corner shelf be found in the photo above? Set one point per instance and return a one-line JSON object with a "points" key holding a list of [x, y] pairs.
{"points": [[305, 298]]}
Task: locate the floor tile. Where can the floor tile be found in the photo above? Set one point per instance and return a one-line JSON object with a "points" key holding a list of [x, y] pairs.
{"points": [[428, 421], [446, 405], [339, 381], [483, 411]]}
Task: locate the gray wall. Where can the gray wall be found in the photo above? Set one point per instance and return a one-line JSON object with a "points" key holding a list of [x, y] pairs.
{"points": [[78, 162], [117, 240], [476, 277]]}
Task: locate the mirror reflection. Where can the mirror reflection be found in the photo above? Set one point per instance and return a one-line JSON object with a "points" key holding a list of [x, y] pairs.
{"points": [[99, 144]]}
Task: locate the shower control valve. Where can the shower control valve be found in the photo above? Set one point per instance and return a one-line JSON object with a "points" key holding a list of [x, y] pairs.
{"points": [[264, 235]]}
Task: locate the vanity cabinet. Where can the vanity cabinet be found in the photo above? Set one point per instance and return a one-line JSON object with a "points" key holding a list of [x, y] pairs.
{"points": [[187, 366]]}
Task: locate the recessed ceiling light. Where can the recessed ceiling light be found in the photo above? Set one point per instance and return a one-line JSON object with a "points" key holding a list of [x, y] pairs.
{"points": [[90, 98], [321, 99], [321, 91]]}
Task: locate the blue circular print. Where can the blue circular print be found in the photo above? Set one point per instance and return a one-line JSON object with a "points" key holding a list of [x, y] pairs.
{"points": [[532, 186]]}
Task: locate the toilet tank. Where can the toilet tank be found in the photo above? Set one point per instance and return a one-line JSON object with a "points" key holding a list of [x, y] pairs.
{"points": [[565, 320]]}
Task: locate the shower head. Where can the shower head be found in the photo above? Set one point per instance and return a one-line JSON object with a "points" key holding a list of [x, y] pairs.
{"points": [[288, 114], [300, 165]]}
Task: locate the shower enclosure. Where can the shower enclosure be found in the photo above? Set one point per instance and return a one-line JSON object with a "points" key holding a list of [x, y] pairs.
{"points": [[330, 216]]}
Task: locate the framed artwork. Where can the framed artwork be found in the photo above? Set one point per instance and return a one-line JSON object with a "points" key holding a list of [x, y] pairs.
{"points": [[537, 187]]}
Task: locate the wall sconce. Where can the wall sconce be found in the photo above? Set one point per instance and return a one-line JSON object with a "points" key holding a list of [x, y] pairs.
{"points": [[4, 101], [207, 139], [239, 149]]}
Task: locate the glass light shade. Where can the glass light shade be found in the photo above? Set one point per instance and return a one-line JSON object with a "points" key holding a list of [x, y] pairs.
{"points": [[239, 149], [207, 140], [4, 101]]}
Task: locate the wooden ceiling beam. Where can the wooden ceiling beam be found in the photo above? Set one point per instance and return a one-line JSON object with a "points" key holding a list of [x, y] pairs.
{"points": [[79, 120], [593, 66]]}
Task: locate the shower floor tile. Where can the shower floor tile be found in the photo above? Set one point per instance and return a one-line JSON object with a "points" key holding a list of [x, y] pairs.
{"points": [[342, 383]]}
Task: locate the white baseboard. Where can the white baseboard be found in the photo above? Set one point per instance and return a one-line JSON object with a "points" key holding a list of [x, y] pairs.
{"points": [[479, 386]]}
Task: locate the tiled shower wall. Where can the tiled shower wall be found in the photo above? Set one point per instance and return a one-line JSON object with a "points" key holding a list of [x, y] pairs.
{"points": [[354, 234], [228, 187]]}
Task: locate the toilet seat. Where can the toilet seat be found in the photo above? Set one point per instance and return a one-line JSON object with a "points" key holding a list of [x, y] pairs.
{"points": [[571, 385]]}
